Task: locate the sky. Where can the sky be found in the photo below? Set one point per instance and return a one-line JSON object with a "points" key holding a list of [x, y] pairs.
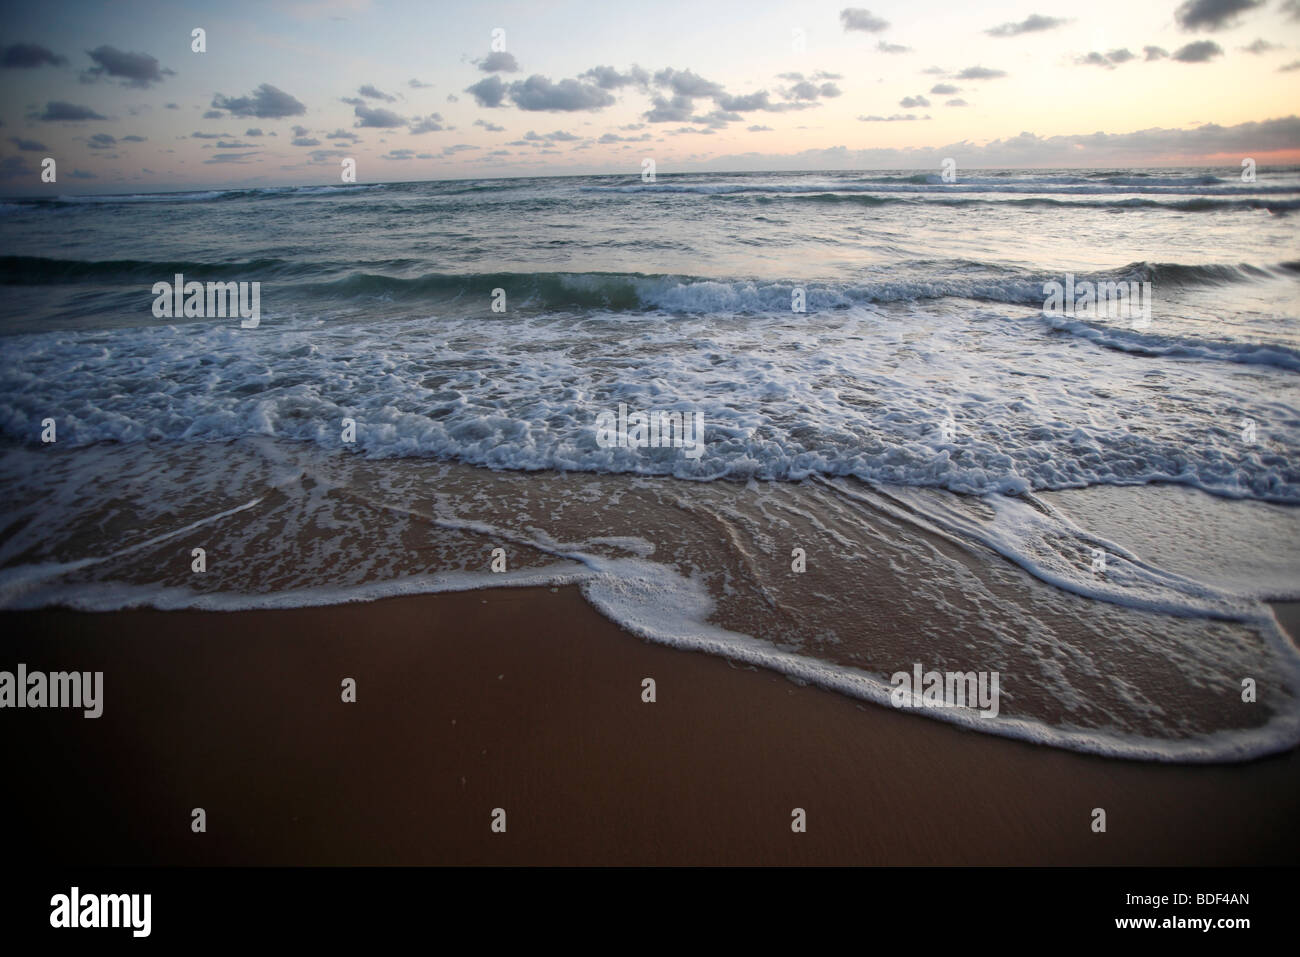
{"points": [[283, 92]]}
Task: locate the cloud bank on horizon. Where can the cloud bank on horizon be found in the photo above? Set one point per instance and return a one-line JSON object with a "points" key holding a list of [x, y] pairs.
{"points": [[259, 94]]}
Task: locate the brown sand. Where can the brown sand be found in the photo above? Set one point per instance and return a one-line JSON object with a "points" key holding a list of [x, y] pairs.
{"points": [[528, 700]]}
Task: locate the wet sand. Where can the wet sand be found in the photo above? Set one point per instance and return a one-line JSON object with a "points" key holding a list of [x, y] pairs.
{"points": [[529, 701]]}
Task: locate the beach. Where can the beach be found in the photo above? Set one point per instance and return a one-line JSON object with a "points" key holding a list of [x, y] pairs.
{"points": [[525, 699]]}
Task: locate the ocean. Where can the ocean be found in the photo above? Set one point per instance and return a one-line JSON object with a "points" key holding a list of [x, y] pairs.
{"points": [[908, 456]]}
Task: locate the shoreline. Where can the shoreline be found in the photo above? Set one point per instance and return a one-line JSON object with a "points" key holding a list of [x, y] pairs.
{"points": [[527, 699]]}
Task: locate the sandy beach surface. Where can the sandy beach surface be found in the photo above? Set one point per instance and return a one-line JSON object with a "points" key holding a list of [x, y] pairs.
{"points": [[527, 700]]}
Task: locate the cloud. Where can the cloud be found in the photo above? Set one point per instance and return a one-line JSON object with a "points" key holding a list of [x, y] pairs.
{"points": [[1107, 60], [1290, 67], [499, 61], [213, 115], [415, 84], [369, 90], [1212, 14], [912, 102], [896, 118], [488, 92], [253, 131], [856, 18], [28, 146], [133, 139], [378, 117], [135, 69], [1165, 147], [538, 94], [1155, 53], [172, 106], [558, 136], [266, 102], [1261, 46], [209, 136], [944, 89], [807, 90], [1034, 23], [1202, 51], [1291, 8], [687, 83], [884, 47], [83, 174], [56, 111], [490, 127], [608, 78], [759, 129], [101, 141], [302, 141], [339, 134], [27, 56], [429, 124], [14, 167], [229, 158], [980, 73], [957, 102]]}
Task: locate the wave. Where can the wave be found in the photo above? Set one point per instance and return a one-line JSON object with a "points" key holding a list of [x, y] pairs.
{"points": [[629, 292], [1201, 205], [195, 196]]}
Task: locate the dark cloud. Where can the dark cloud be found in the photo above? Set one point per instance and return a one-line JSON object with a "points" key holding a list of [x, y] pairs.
{"points": [[302, 141], [135, 69], [266, 102], [342, 134], [213, 115], [102, 141], [489, 91], [1202, 51], [377, 117], [1034, 23], [537, 94], [253, 131], [56, 111], [1212, 14], [944, 89], [857, 18], [133, 139], [429, 124], [83, 174], [173, 106], [490, 127], [1155, 53], [368, 90], [28, 146], [27, 56], [912, 102], [499, 61]]}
